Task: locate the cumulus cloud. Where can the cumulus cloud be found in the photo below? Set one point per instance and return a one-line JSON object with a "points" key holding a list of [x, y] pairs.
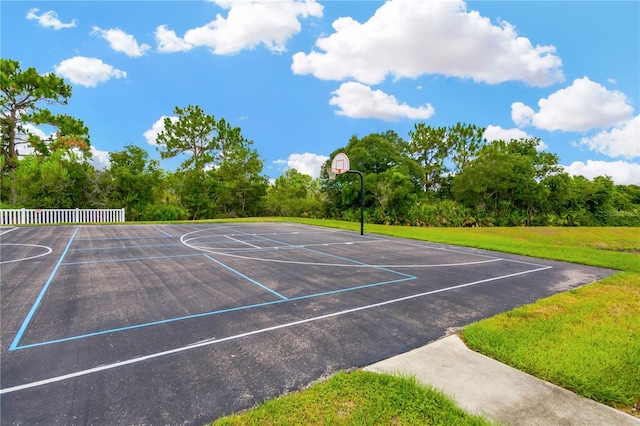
{"points": [[494, 133], [158, 127], [583, 106], [621, 141], [121, 41], [49, 19], [247, 25], [408, 38], [169, 42], [307, 163], [622, 172], [357, 100], [99, 159], [88, 72]]}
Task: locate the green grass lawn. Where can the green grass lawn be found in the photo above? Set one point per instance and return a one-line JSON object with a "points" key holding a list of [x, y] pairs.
{"points": [[586, 340], [359, 398]]}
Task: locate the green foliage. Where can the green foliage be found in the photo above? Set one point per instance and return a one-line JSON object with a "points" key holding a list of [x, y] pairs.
{"points": [[440, 177], [392, 180], [294, 194], [430, 147], [197, 192], [205, 140], [61, 180], [135, 182], [21, 96], [242, 185], [163, 213], [359, 398], [504, 180]]}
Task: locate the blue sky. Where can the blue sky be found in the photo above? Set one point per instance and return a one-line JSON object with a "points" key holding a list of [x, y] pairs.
{"points": [[301, 77]]}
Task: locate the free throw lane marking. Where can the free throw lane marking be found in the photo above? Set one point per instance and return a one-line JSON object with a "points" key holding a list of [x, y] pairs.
{"points": [[16, 340]]}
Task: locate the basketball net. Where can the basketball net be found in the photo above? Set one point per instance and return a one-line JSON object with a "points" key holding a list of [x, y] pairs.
{"points": [[334, 172]]}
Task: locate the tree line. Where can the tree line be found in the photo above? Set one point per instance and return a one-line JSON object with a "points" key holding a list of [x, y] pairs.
{"points": [[438, 176]]}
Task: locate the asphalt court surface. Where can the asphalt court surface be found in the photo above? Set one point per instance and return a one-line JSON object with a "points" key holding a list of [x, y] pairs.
{"points": [[181, 324]]}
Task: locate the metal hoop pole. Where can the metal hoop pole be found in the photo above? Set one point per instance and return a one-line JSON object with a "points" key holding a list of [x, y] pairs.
{"points": [[361, 199]]}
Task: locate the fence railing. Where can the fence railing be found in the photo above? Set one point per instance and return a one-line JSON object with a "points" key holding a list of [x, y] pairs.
{"points": [[36, 216]]}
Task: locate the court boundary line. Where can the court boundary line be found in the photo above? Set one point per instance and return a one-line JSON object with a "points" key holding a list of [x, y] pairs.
{"points": [[250, 333]]}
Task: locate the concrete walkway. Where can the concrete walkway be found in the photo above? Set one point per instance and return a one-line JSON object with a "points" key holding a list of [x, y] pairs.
{"points": [[484, 386]]}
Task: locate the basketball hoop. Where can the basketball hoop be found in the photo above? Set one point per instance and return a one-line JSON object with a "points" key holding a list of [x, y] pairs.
{"points": [[340, 164]]}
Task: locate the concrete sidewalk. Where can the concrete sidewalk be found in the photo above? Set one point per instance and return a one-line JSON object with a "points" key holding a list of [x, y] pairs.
{"points": [[484, 386]]}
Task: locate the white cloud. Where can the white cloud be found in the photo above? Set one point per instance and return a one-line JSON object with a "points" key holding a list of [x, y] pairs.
{"points": [[157, 128], [408, 38], [494, 133], [521, 114], [580, 107], [248, 24], [357, 100], [49, 19], [622, 172], [99, 159], [621, 141], [307, 163], [169, 42], [121, 41], [88, 72]]}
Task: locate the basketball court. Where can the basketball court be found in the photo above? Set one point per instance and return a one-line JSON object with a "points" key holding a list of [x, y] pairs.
{"points": [[181, 324]]}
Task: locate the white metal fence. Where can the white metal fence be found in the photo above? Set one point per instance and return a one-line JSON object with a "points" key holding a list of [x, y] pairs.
{"points": [[35, 216]]}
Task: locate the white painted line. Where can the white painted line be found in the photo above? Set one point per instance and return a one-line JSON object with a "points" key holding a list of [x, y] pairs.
{"points": [[243, 242], [250, 333], [8, 230], [47, 251], [344, 265]]}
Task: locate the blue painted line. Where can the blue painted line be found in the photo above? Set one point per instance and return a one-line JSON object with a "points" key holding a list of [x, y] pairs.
{"points": [[165, 233], [16, 340], [120, 238], [247, 278], [343, 290], [126, 247], [131, 259], [148, 324], [205, 314]]}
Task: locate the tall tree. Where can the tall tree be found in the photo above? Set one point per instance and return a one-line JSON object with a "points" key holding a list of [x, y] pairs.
{"points": [[135, 181], [504, 181], [429, 146], [22, 96], [465, 141], [242, 186], [199, 136]]}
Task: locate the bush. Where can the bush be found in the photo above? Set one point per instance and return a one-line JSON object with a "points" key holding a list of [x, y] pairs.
{"points": [[163, 212]]}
